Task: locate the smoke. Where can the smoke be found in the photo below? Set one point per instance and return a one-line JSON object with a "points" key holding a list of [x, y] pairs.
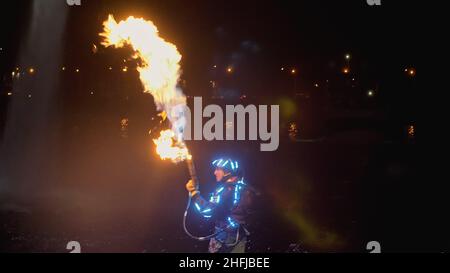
{"points": [[28, 135]]}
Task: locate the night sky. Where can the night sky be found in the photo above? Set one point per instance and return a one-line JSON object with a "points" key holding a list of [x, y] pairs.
{"points": [[256, 37]]}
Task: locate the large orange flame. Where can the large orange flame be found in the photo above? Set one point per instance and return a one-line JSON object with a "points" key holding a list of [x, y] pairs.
{"points": [[159, 72]]}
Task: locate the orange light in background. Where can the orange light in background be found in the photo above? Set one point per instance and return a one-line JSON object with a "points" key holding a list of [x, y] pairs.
{"points": [[230, 69], [346, 70], [293, 131], [124, 127], [77, 70], [411, 72], [125, 69], [31, 70], [411, 131], [94, 48], [293, 71]]}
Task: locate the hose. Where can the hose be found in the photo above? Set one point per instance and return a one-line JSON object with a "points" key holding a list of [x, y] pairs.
{"points": [[200, 238]]}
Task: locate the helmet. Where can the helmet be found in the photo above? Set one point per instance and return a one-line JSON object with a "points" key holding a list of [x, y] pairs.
{"points": [[230, 166]]}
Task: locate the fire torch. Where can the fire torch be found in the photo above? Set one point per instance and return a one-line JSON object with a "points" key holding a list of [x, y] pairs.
{"points": [[159, 72], [192, 173]]}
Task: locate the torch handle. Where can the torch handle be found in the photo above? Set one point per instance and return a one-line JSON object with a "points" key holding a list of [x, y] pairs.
{"points": [[192, 172]]}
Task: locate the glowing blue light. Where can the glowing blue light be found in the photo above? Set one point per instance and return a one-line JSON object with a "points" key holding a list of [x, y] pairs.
{"points": [[206, 210], [236, 194], [233, 224], [218, 199], [226, 162], [197, 206], [237, 165], [218, 163], [207, 216], [214, 162], [232, 165], [219, 190]]}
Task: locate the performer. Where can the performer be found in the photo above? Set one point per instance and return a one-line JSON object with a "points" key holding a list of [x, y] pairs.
{"points": [[227, 206]]}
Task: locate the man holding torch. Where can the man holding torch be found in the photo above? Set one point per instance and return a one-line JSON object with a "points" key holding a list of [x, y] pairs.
{"points": [[227, 206]]}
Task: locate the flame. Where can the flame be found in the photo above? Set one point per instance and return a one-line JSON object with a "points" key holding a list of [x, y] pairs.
{"points": [[167, 147], [159, 71]]}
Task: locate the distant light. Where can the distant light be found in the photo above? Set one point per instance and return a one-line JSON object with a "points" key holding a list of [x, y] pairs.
{"points": [[410, 71], [230, 69], [346, 70], [13, 74], [94, 48], [125, 69], [353, 79], [77, 70], [92, 93], [31, 70], [347, 56], [9, 93], [411, 131], [29, 96], [110, 68], [282, 69], [316, 85], [370, 93], [214, 66], [17, 69], [63, 68], [293, 71]]}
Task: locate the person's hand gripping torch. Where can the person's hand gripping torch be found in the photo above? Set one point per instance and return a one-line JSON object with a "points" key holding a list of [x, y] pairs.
{"points": [[193, 184]]}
